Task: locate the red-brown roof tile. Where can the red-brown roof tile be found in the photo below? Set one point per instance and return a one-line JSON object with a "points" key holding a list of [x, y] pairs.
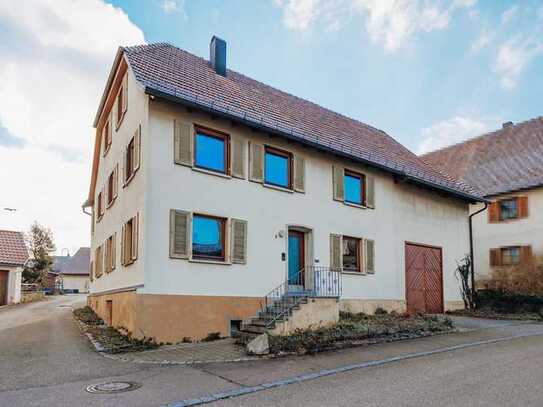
{"points": [[506, 160], [13, 251], [172, 73]]}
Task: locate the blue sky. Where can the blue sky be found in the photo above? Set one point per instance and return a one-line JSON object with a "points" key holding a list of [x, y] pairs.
{"points": [[430, 73], [434, 74]]}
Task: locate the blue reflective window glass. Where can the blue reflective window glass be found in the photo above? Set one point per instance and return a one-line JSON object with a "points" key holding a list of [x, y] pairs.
{"points": [[353, 189], [277, 169], [210, 152], [207, 237]]}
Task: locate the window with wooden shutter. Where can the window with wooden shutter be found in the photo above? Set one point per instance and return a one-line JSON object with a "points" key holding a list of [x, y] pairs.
{"points": [[98, 261], [123, 237], [183, 135], [238, 241], [335, 252], [114, 251], [106, 137], [299, 173], [338, 186], [137, 149], [135, 235], [256, 162], [526, 254], [125, 94], [522, 206], [180, 234], [495, 257], [494, 212], [370, 192], [370, 256], [238, 157], [116, 181]]}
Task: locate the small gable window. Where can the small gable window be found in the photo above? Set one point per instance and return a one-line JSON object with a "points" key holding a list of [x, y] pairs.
{"points": [[354, 188], [211, 150], [278, 168], [208, 240]]}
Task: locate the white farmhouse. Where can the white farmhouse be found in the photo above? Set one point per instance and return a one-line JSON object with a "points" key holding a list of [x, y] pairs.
{"points": [[213, 194]]}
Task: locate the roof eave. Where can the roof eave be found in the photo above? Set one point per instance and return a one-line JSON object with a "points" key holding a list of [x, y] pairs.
{"points": [[111, 77], [254, 124]]}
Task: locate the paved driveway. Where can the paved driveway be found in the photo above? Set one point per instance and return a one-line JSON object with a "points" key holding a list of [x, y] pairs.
{"points": [[44, 360]]}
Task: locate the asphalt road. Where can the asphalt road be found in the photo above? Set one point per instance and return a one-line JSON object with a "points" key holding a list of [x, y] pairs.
{"points": [[44, 360]]}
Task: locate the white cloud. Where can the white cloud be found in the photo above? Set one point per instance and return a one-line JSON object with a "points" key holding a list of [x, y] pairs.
{"points": [[56, 55], [483, 40], [513, 56], [388, 22], [172, 6], [451, 131], [509, 14]]}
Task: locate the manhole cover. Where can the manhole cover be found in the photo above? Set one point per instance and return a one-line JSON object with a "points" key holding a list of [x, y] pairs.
{"points": [[113, 387]]}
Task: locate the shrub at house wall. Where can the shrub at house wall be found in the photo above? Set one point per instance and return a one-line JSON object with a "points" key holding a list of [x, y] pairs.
{"points": [[523, 279]]}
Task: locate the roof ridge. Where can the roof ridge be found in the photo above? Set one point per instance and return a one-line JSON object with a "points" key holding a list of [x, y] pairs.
{"points": [[481, 136]]}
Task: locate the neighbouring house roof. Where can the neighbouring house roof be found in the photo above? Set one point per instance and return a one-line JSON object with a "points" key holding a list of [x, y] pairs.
{"points": [[506, 160], [13, 250], [78, 264], [173, 74], [58, 263]]}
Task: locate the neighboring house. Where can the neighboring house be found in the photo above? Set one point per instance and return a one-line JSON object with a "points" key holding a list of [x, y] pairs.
{"points": [[210, 189], [13, 256], [507, 166], [72, 273], [52, 282]]}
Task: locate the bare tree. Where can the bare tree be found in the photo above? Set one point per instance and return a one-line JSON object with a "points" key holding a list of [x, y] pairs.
{"points": [[463, 270]]}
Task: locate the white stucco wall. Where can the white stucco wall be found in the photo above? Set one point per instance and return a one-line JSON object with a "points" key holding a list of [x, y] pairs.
{"points": [[14, 283], [130, 199], [403, 213], [517, 232], [72, 282]]}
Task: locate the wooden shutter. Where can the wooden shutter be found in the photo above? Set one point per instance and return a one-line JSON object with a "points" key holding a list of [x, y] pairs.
{"points": [[91, 271], [525, 254], [237, 145], [369, 249], [114, 251], [494, 212], [495, 257], [238, 241], [256, 162], [183, 138], [116, 181], [522, 203], [137, 149], [179, 234], [123, 167], [336, 258], [362, 256], [125, 93], [299, 174], [370, 192], [135, 233], [338, 174], [123, 245]]}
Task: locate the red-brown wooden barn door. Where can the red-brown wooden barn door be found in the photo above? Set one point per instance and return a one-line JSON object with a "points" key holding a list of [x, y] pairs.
{"points": [[423, 279]]}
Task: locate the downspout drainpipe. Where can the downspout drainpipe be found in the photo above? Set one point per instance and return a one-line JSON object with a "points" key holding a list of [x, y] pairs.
{"points": [[471, 251]]}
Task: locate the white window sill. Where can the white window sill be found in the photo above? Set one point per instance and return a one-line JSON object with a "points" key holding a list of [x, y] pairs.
{"points": [[290, 191], [210, 172], [355, 205], [217, 262], [354, 273]]}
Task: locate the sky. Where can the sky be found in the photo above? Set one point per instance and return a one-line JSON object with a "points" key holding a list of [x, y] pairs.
{"points": [[429, 73]]}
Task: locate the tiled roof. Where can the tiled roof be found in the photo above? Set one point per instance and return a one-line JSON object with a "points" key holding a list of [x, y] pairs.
{"points": [[59, 262], [172, 73], [505, 160], [78, 264], [13, 249]]}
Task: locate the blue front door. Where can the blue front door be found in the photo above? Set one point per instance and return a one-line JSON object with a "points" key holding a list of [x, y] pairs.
{"points": [[295, 258]]}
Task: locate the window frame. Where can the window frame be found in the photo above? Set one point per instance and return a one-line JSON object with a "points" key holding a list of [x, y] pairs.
{"points": [[225, 137], [510, 248], [120, 106], [517, 214], [110, 187], [99, 208], [358, 258], [362, 178], [223, 222], [107, 135], [290, 166]]}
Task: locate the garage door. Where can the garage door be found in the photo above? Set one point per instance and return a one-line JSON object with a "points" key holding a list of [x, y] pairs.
{"points": [[423, 279], [3, 287]]}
